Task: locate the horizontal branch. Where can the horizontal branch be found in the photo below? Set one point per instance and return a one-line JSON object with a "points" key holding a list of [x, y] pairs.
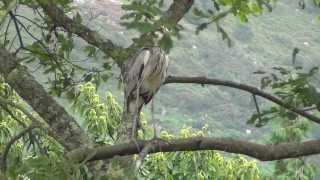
{"points": [[244, 87], [258, 151]]}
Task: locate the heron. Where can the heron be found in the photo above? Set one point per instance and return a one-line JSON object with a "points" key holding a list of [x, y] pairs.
{"points": [[145, 73]]}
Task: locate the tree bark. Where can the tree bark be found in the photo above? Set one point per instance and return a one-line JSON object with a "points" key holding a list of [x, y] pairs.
{"points": [[267, 152]]}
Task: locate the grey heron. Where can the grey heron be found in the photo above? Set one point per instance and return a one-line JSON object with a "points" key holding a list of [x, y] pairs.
{"points": [[144, 74]]}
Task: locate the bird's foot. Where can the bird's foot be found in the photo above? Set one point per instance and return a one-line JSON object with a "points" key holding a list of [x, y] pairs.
{"points": [[135, 141]]}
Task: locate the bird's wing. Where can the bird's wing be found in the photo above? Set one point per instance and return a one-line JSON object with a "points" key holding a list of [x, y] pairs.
{"points": [[166, 65], [155, 73], [135, 72], [152, 63]]}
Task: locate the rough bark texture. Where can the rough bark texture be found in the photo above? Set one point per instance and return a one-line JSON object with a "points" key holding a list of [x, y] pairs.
{"points": [[64, 127], [261, 152], [244, 87]]}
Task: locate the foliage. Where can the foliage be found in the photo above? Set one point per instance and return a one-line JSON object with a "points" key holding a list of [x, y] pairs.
{"points": [[197, 165], [294, 87], [32, 163], [102, 117], [222, 8], [31, 156], [292, 131], [147, 17]]}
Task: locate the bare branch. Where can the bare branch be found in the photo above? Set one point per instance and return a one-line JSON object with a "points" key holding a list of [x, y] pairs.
{"points": [[31, 21], [17, 30], [244, 87], [267, 152]]}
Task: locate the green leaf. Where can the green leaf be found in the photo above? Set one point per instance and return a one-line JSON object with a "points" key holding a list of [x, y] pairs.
{"points": [[143, 27], [166, 43], [91, 51], [224, 34], [201, 27], [199, 13]]}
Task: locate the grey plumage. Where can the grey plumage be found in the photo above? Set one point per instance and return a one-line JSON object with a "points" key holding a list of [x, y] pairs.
{"points": [[144, 75]]}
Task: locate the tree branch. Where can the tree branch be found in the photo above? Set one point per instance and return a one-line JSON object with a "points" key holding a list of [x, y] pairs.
{"points": [[173, 15], [244, 87], [92, 37], [64, 127], [258, 151], [17, 30]]}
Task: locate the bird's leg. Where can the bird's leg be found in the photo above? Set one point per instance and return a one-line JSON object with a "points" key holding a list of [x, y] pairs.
{"points": [[156, 128], [135, 119], [155, 135], [134, 123]]}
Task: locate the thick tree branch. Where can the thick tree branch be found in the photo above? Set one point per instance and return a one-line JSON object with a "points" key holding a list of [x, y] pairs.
{"points": [[92, 37], [258, 151], [244, 87], [64, 127], [173, 15]]}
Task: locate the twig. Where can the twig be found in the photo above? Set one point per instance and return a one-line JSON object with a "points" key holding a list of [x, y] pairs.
{"points": [[12, 42], [257, 106], [6, 31], [30, 20], [17, 29], [309, 109]]}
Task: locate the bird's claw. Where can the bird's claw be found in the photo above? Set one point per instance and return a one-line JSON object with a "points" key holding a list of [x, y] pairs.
{"points": [[134, 140]]}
